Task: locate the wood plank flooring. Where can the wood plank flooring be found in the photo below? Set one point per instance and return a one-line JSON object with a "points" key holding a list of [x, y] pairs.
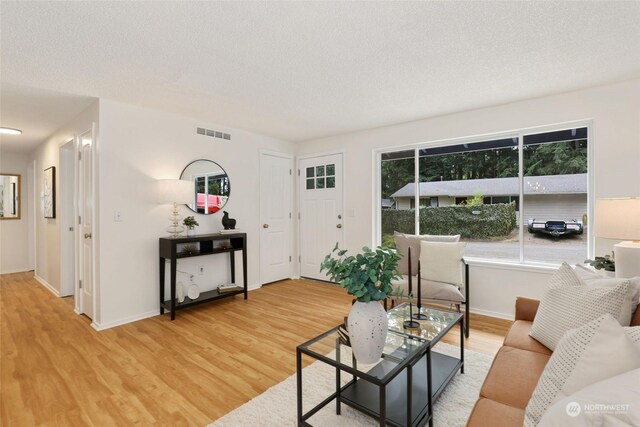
{"points": [[55, 370]]}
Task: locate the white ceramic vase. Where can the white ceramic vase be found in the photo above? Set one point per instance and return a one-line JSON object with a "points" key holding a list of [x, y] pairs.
{"points": [[191, 232], [368, 325]]}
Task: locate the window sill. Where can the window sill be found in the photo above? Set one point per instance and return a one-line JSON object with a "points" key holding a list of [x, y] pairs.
{"points": [[513, 265]]}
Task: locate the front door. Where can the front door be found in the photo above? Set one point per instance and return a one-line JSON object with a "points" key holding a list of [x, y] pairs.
{"points": [[86, 219], [321, 211], [275, 217]]}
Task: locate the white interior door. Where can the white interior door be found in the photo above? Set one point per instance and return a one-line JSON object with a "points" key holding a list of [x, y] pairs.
{"points": [[68, 218], [321, 211], [275, 217], [86, 227]]}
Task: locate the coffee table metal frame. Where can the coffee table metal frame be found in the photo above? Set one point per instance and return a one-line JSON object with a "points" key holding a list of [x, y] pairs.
{"points": [[360, 393]]}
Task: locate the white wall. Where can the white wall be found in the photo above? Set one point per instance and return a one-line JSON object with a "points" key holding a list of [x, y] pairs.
{"points": [[48, 230], [614, 109], [137, 147], [14, 243]]}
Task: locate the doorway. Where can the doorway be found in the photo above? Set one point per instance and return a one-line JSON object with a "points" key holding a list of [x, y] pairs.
{"points": [[321, 210]]}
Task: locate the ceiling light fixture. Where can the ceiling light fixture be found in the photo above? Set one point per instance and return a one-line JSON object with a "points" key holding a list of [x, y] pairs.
{"points": [[10, 131]]}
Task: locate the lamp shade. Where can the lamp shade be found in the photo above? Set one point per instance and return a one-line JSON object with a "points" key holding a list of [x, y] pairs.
{"points": [[618, 218], [175, 191]]}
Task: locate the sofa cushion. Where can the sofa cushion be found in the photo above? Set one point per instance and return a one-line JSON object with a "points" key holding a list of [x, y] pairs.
{"points": [[621, 393], [442, 262], [569, 303], [598, 350], [518, 337], [513, 376], [489, 413], [592, 278]]}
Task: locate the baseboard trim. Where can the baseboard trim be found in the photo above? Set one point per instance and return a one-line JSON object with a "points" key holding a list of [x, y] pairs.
{"points": [[47, 285], [492, 314], [108, 325], [20, 270]]}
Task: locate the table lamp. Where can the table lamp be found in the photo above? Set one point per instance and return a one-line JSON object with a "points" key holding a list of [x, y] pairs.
{"points": [[175, 191], [620, 219]]}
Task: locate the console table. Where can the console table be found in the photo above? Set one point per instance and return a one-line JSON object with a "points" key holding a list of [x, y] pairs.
{"points": [[169, 251]]}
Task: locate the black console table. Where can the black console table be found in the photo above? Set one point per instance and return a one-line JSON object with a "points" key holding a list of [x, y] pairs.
{"points": [[169, 251]]}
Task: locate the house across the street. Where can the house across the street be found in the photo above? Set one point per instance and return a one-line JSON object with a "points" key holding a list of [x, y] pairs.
{"points": [[551, 197]]}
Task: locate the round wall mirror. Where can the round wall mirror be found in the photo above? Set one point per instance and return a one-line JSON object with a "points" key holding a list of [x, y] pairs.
{"points": [[212, 186]]}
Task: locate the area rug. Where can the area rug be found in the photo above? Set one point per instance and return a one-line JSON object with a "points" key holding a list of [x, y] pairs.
{"points": [[277, 405]]}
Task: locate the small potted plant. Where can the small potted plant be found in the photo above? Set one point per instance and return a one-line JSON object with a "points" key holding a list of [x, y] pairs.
{"points": [[367, 276], [606, 263], [191, 223]]}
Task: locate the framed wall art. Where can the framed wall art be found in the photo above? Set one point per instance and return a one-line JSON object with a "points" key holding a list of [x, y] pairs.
{"points": [[49, 193]]}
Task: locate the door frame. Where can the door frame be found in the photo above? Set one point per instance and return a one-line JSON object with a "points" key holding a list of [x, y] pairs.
{"points": [[292, 189], [298, 195]]}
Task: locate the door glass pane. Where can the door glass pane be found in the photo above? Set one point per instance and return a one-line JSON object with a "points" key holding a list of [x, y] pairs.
{"points": [[319, 170], [311, 184], [331, 182], [331, 169], [459, 180], [310, 173], [319, 182], [397, 177], [555, 196]]}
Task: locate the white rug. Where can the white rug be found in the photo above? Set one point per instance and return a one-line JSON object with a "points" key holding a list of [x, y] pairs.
{"points": [[277, 406]]}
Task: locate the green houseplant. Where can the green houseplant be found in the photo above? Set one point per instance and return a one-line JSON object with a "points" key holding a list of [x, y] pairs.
{"points": [[606, 263], [191, 223], [367, 276]]}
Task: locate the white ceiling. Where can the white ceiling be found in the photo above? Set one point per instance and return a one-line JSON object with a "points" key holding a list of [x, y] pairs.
{"points": [[300, 70]]}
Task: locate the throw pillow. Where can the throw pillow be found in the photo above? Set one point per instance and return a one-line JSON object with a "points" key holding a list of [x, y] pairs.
{"points": [[617, 400], [406, 241], [442, 262], [592, 278], [568, 303], [583, 356]]}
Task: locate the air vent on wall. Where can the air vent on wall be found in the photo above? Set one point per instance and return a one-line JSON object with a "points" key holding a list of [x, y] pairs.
{"points": [[213, 133]]}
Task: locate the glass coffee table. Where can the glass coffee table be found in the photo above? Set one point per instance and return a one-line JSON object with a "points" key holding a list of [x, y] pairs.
{"points": [[401, 388]]}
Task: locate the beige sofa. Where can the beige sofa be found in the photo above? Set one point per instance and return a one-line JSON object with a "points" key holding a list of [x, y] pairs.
{"points": [[514, 373]]}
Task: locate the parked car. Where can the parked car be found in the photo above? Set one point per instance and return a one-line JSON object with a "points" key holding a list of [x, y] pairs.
{"points": [[555, 228]]}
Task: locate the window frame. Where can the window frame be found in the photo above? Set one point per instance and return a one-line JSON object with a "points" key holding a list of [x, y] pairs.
{"points": [[516, 133]]}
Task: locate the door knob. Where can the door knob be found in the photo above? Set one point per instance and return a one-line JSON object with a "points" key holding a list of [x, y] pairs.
{"points": [[265, 225], [339, 225], [87, 235]]}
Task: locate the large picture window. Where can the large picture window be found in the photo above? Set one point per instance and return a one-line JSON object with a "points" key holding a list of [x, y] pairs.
{"points": [[520, 197]]}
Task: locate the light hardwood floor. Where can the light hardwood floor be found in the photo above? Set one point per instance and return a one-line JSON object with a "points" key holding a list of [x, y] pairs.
{"points": [[56, 370]]}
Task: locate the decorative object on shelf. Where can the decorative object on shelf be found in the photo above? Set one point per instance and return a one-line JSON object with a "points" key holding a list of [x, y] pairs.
{"points": [[231, 287], [228, 223], [180, 292], [367, 277], [606, 263], [212, 186], [193, 291], [175, 191], [620, 219], [49, 193], [191, 223], [190, 249]]}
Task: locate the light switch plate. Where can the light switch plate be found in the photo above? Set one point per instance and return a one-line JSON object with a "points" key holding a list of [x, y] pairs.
{"points": [[117, 216]]}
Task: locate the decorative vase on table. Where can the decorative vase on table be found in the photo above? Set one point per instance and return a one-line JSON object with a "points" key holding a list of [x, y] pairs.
{"points": [[191, 232], [367, 277], [368, 326]]}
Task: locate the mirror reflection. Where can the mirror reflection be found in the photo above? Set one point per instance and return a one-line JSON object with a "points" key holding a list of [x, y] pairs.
{"points": [[212, 186], [9, 196]]}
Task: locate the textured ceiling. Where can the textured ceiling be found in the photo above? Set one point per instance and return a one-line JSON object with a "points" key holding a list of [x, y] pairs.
{"points": [[300, 70]]}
